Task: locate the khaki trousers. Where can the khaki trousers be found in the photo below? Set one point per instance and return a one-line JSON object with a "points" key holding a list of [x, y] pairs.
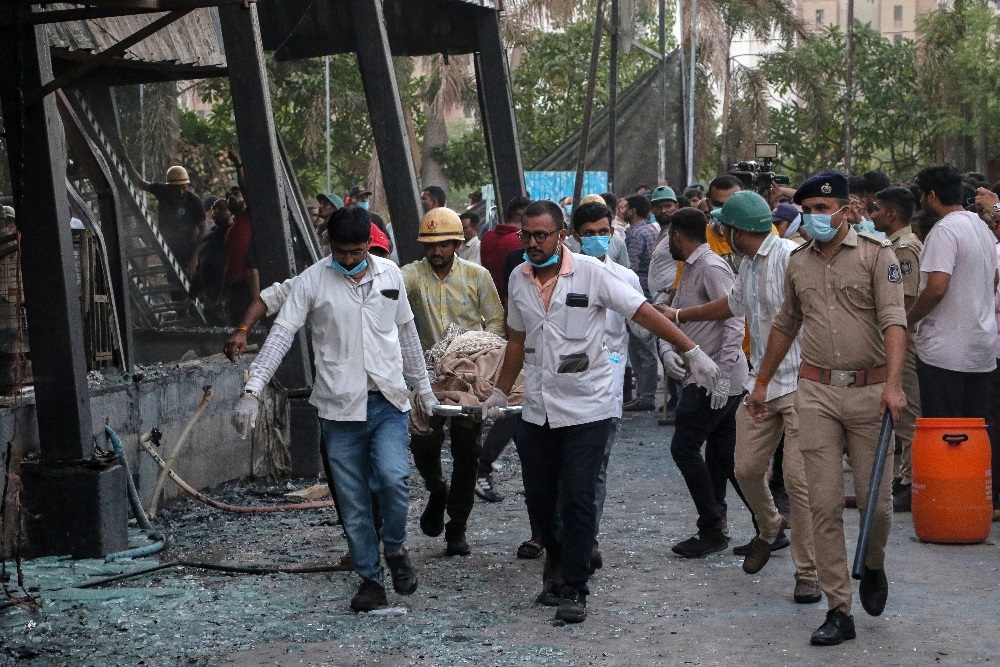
{"points": [[908, 419], [755, 445], [833, 420]]}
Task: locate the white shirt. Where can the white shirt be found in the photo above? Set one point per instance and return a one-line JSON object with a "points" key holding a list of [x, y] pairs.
{"points": [[569, 398], [354, 335], [960, 333], [757, 295], [616, 335], [662, 268], [469, 251]]}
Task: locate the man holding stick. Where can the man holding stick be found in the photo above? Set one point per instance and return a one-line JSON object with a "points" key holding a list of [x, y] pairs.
{"points": [[844, 291]]}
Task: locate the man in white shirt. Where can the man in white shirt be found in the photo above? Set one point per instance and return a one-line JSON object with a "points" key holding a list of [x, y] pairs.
{"points": [[592, 230], [365, 342], [757, 295], [469, 250], [955, 328], [557, 304]]}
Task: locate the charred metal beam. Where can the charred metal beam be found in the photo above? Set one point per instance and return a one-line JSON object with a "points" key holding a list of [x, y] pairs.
{"points": [[388, 125], [264, 193], [37, 155], [103, 57], [497, 110], [99, 10]]}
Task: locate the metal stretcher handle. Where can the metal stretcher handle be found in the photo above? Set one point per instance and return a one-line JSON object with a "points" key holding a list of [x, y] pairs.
{"points": [[460, 410]]}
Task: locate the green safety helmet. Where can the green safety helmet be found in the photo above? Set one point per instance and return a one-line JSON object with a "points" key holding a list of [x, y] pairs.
{"points": [[745, 210], [664, 192]]}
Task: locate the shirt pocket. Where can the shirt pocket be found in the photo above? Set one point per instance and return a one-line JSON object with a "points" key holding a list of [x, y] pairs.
{"points": [[810, 292], [857, 294], [386, 305], [575, 321]]}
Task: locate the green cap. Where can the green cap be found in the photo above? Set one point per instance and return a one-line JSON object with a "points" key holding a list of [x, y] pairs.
{"points": [[745, 210], [663, 192], [332, 200]]}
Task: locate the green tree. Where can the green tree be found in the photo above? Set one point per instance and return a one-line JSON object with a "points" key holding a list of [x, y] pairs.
{"points": [[892, 128]]}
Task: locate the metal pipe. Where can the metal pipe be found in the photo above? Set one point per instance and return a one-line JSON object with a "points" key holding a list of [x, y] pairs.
{"points": [[329, 186], [588, 104], [691, 91], [613, 95]]}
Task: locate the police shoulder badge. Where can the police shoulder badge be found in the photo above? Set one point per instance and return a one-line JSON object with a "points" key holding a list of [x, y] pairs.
{"points": [[895, 275], [906, 266], [826, 188]]}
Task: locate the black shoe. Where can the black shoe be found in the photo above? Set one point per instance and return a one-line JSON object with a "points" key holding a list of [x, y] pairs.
{"points": [[486, 490], [404, 577], [596, 560], [701, 545], [457, 546], [432, 519], [551, 593], [837, 627], [370, 595], [757, 555], [874, 591], [572, 606], [902, 498], [780, 542], [639, 405]]}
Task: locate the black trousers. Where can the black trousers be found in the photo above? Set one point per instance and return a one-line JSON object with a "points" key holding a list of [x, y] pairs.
{"points": [[706, 476], [559, 467], [465, 451], [502, 432], [945, 393]]}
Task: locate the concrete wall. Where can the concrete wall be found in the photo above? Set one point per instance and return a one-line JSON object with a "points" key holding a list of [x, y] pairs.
{"points": [[164, 397]]}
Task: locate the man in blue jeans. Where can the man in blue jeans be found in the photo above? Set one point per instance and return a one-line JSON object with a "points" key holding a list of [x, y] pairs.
{"points": [[365, 342], [556, 318]]}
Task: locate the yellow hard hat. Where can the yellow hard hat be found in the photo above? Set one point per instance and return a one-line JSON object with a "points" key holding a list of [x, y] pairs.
{"points": [[440, 224], [9, 212], [177, 176], [593, 199]]}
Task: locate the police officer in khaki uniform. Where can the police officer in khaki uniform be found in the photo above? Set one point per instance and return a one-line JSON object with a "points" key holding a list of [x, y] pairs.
{"points": [[844, 292], [893, 208]]}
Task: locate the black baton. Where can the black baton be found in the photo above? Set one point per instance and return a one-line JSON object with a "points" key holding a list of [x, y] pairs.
{"points": [[864, 532]]}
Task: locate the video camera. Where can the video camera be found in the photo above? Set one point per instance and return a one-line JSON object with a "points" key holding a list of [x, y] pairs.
{"points": [[758, 176]]}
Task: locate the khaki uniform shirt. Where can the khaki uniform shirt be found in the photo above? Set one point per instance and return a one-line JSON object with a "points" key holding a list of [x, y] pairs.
{"points": [[907, 247], [842, 304]]}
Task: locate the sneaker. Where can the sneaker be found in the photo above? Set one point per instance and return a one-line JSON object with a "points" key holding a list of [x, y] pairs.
{"points": [[432, 518], [701, 545], [806, 591], [404, 577], [370, 596], [572, 606], [486, 490]]}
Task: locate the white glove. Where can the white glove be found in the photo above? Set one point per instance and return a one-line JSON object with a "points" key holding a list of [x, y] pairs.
{"points": [[703, 370], [245, 415], [673, 365], [427, 402], [720, 395], [494, 405]]}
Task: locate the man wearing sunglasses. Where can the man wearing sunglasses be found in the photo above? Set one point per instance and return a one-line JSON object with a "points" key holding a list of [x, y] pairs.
{"points": [[557, 304]]}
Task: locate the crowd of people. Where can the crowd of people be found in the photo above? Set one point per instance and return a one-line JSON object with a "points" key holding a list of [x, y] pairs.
{"points": [[786, 322]]}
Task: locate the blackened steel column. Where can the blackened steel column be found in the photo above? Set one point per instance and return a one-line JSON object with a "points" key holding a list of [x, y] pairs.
{"points": [[389, 127], [36, 151], [497, 109], [265, 195]]}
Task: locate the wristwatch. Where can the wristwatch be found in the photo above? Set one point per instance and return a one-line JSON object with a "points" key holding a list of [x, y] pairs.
{"points": [[995, 210], [251, 392]]}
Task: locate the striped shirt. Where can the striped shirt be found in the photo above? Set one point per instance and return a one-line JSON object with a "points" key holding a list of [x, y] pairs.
{"points": [[466, 296], [757, 295]]}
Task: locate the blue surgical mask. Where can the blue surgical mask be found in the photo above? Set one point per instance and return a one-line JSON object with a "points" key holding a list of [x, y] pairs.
{"points": [[362, 205], [569, 209], [817, 226], [340, 268], [549, 262], [865, 225], [595, 246]]}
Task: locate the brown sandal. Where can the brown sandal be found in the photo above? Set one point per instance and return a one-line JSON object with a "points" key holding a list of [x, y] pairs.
{"points": [[530, 549]]}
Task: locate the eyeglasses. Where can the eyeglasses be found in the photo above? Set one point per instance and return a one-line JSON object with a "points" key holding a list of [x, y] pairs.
{"points": [[540, 237]]}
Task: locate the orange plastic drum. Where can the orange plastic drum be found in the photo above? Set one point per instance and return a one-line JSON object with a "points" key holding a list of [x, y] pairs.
{"points": [[952, 500]]}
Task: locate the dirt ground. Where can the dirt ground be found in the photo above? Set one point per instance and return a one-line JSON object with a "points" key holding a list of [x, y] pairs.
{"points": [[648, 606]]}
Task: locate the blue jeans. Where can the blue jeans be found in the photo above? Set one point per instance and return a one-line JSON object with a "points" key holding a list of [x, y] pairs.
{"points": [[371, 457], [559, 467]]}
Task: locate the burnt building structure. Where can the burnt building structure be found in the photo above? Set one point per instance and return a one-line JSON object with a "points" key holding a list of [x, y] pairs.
{"points": [[60, 64]]}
